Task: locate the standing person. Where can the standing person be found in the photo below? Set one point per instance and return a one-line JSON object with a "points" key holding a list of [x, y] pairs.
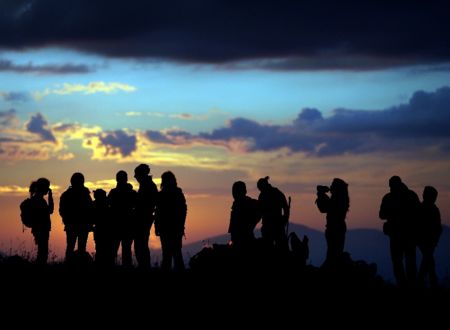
{"points": [[400, 209], [103, 230], [122, 202], [145, 208], [75, 208], [429, 232], [41, 213], [336, 207], [244, 217], [170, 217], [275, 214]]}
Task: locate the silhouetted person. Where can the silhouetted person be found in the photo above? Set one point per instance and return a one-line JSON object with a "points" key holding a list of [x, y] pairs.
{"points": [[244, 217], [41, 214], [275, 214], [122, 201], [145, 208], [170, 217], [103, 230], [75, 208], [400, 209], [429, 232], [336, 207]]}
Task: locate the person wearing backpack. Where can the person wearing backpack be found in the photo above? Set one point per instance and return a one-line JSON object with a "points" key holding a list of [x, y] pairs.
{"points": [[26, 208], [41, 210]]}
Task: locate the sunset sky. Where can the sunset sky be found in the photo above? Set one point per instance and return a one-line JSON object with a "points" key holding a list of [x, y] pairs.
{"points": [[220, 91]]}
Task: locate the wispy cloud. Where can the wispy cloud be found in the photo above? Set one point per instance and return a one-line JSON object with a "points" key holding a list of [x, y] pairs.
{"points": [[90, 88], [14, 96], [61, 69], [179, 116], [13, 190], [16, 190], [198, 117], [108, 184], [8, 118]]}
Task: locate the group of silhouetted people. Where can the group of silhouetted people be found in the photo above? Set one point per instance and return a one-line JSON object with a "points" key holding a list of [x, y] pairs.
{"points": [[122, 217], [271, 209], [125, 216], [410, 224]]}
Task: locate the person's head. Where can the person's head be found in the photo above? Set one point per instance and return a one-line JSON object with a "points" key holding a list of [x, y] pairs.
{"points": [[168, 180], [121, 177], [263, 184], [42, 186], [99, 195], [33, 188], [141, 172], [430, 194], [339, 186], [339, 193], [239, 190], [77, 180], [395, 183]]}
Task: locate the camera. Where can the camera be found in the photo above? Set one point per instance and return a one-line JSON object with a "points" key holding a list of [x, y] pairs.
{"points": [[322, 189]]}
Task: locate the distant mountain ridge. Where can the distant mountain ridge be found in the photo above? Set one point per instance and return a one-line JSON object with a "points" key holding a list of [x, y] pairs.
{"points": [[370, 245]]}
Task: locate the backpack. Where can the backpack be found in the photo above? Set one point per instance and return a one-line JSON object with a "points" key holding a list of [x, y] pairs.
{"points": [[26, 213]]}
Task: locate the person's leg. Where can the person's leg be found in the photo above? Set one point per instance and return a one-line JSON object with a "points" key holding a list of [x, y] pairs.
{"points": [[82, 240], [141, 248], [396, 250], [127, 260], [71, 239], [177, 254], [41, 240]]}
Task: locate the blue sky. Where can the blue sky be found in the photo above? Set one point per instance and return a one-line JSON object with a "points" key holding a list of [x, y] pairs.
{"points": [[171, 88]]}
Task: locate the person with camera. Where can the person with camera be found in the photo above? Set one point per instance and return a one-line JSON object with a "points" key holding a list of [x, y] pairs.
{"points": [[336, 207]]}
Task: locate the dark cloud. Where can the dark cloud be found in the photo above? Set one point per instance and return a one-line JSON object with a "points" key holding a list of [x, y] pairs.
{"points": [[296, 34], [118, 142], [423, 122], [15, 96], [39, 125], [67, 68]]}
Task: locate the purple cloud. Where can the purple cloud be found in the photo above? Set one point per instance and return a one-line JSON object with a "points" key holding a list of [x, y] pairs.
{"points": [[39, 125], [118, 142]]}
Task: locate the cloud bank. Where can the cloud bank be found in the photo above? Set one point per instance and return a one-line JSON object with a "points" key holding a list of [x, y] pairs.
{"points": [[423, 122], [293, 35]]}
